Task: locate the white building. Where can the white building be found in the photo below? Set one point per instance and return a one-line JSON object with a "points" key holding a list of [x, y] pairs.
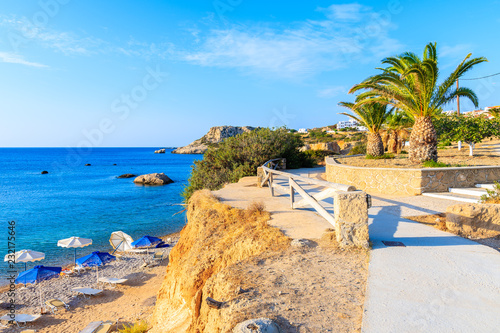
{"points": [[302, 131], [347, 123]]}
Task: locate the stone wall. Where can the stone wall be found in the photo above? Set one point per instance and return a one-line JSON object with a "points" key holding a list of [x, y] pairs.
{"points": [[399, 181]]}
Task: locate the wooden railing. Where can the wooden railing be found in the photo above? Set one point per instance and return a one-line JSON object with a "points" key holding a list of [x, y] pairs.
{"points": [[270, 169]]}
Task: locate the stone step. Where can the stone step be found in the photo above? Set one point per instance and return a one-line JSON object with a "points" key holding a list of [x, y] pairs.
{"points": [[475, 192], [486, 186], [453, 196]]}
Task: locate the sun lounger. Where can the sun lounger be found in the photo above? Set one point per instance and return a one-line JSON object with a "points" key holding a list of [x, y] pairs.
{"points": [[87, 291], [137, 251], [98, 327], [55, 304], [21, 319], [159, 256], [112, 281]]}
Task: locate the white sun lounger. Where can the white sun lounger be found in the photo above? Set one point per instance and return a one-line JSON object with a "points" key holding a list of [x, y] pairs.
{"points": [[87, 291], [98, 326], [21, 319], [112, 281]]}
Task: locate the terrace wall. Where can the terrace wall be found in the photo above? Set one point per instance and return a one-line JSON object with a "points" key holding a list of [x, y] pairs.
{"points": [[399, 181]]}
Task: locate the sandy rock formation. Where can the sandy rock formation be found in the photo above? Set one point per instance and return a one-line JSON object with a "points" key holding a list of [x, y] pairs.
{"points": [[474, 220], [329, 146], [215, 238], [153, 179], [215, 135], [160, 151]]}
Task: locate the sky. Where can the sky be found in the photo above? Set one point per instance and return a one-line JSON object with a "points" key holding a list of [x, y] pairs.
{"points": [[122, 73]]}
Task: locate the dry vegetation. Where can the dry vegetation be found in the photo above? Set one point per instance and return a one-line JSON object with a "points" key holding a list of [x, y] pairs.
{"points": [[235, 257], [217, 236], [484, 154]]}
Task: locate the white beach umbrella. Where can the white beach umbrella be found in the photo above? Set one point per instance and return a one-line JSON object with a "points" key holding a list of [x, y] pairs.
{"points": [[25, 256], [74, 242], [120, 241]]}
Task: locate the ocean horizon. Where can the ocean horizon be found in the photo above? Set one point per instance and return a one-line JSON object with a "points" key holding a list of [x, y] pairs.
{"points": [[86, 201]]}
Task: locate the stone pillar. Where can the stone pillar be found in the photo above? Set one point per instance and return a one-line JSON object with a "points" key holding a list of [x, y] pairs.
{"points": [[351, 218]]}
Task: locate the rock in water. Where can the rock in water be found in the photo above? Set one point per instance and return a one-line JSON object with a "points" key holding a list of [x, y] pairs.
{"points": [[127, 175], [260, 325], [153, 179], [88, 164], [215, 135], [160, 151], [44, 172]]}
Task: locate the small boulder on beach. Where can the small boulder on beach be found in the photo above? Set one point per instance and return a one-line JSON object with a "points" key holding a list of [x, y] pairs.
{"points": [[127, 175], [153, 179], [44, 172], [260, 325]]}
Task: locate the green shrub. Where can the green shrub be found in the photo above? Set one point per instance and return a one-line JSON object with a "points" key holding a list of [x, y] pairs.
{"points": [[433, 164], [386, 156], [492, 196], [314, 157], [240, 156], [403, 152], [137, 327], [443, 144], [359, 148]]}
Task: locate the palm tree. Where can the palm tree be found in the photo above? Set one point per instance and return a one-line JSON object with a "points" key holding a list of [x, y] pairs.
{"points": [[397, 125], [372, 116], [411, 84]]}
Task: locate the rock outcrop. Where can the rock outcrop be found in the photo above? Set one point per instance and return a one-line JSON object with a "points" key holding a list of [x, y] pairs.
{"points": [[328, 146], [44, 172], [160, 151], [127, 175], [215, 135], [474, 220], [153, 179], [216, 238]]}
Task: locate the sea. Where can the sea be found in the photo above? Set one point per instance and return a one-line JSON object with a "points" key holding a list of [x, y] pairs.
{"points": [[85, 201]]}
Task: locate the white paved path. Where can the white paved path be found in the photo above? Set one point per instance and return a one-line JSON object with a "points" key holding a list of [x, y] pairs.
{"points": [[437, 283]]}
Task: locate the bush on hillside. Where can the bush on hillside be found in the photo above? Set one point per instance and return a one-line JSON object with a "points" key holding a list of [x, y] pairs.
{"points": [[240, 156]]}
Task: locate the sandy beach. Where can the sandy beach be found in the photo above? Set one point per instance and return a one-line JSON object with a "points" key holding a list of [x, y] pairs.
{"points": [[126, 303]]}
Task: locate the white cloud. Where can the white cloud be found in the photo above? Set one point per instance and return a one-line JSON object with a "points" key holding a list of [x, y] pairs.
{"points": [[301, 49], [331, 92], [16, 59], [346, 12], [459, 50]]}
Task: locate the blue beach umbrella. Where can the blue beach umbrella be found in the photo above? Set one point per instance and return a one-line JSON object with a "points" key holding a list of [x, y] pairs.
{"points": [[37, 274], [146, 241], [96, 258]]}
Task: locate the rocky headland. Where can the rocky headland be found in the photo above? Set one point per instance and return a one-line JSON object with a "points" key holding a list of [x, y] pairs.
{"points": [[214, 136]]}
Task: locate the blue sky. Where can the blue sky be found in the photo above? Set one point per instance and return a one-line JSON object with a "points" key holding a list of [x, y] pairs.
{"points": [[160, 73]]}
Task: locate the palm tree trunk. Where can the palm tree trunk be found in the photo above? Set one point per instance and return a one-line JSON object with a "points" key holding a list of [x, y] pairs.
{"points": [[423, 141], [374, 147], [392, 144]]}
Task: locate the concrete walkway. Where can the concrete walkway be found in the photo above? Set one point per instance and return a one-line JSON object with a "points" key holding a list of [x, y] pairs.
{"points": [[437, 283]]}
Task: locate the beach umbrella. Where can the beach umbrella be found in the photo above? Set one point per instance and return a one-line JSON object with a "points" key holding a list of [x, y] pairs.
{"points": [[95, 259], [37, 274], [120, 241], [74, 242], [146, 241], [25, 256]]}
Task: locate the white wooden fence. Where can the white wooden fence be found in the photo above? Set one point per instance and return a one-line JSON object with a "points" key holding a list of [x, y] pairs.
{"points": [[271, 169]]}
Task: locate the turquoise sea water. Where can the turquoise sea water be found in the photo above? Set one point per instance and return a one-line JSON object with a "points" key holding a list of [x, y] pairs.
{"points": [[86, 201]]}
